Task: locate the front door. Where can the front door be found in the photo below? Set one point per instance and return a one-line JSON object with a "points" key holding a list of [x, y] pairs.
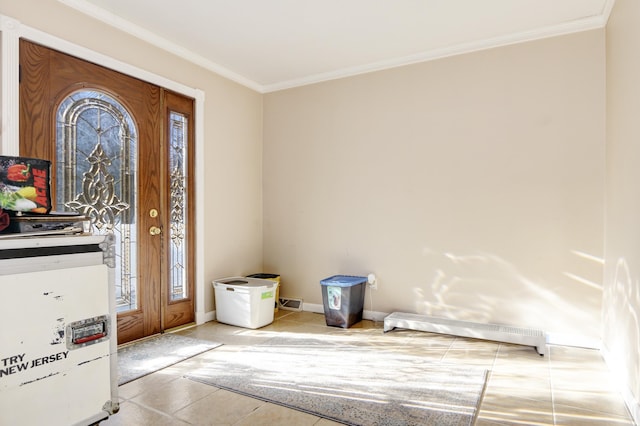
{"points": [[121, 154]]}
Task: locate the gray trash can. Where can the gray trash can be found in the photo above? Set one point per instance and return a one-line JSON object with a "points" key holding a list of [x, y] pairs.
{"points": [[343, 299]]}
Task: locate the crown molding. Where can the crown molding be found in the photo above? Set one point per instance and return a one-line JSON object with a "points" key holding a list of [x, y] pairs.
{"points": [[606, 11], [586, 24], [157, 41]]}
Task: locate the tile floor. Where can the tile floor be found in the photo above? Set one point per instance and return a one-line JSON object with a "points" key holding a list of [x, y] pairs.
{"points": [[568, 386]]}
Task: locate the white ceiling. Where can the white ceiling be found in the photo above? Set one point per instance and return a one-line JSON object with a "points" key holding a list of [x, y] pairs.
{"points": [[275, 44]]}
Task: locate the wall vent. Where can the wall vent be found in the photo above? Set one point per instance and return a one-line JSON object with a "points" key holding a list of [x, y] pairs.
{"points": [[290, 304]]}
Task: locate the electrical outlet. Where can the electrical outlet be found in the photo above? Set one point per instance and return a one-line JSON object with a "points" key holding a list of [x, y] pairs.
{"points": [[372, 282]]}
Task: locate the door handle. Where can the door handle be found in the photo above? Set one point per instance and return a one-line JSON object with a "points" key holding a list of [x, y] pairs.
{"points": [[154, 230]]}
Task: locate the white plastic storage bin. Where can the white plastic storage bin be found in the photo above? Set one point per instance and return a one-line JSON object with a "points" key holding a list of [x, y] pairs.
{"points": [[245, 302]]}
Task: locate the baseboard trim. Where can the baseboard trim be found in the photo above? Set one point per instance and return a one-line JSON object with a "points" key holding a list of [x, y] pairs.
{"points": [[557, 339], [202, 317], [633, 405], [574, 340], [368, 315]]}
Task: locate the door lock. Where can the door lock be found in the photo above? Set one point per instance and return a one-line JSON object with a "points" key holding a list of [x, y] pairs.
{"points": [[154, 230]]}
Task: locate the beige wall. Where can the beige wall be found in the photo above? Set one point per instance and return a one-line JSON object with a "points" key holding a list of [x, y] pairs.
{"points": [[233, 134], [622, 271], [472, 185]]}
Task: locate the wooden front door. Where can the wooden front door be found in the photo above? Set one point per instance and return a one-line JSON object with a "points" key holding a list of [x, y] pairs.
{"points": [[121, 154]]}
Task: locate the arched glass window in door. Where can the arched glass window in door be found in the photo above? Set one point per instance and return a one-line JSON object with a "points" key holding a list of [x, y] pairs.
{"points": [[96, 145]]}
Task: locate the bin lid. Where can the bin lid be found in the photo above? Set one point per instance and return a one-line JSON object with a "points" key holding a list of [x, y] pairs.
{"points": [[263, 276], [244, 282], [235, 282], [343, 280]]}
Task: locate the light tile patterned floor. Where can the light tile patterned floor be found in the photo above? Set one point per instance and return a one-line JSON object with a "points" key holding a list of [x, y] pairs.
{"points": [[568, 386]]}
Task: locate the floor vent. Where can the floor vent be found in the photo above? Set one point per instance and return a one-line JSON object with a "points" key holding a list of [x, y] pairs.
{"points": [[290, 304], [499, 333]]}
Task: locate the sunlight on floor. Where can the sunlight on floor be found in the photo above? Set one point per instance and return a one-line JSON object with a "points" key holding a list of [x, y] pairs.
{"points": [[570, 386]]}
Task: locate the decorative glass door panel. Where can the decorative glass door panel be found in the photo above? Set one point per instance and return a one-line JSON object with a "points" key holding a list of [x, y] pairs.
{"points": [[178, 173], [96, 146], [178, 200], [121, 154]]}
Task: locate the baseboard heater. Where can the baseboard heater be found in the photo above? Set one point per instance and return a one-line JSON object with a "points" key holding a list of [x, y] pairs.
{"points": [[498, 333]]}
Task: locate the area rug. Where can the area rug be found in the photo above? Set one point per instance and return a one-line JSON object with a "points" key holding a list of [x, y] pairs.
{"points": [[348, 384], [147, 356]]}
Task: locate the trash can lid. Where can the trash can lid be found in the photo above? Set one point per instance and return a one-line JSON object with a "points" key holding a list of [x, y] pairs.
{"points": [[343, 280], [263, 276]]}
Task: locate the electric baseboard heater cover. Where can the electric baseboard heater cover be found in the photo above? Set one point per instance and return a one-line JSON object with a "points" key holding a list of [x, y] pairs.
{"points": [[495, 332]]}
